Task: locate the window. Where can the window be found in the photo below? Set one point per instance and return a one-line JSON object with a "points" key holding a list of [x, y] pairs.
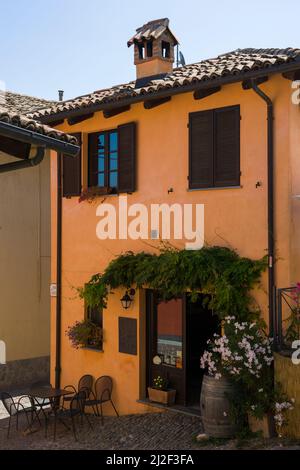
{"points": [[165, 49], [95, 315], [149, 48], [141, 48], [214, 153], [111, 158], [105, 169]]}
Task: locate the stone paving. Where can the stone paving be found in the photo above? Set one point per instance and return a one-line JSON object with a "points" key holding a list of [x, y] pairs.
{"points": [[167, 431], [153, 431]]}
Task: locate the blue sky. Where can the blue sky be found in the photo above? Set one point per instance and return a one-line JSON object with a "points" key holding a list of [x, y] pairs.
{"points": [[80, 45]]}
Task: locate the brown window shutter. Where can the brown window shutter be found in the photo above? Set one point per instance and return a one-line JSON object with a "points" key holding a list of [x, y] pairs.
{"points": [[72, 172], [227, 147], [127, 157], [201, 150], [93, 160]]}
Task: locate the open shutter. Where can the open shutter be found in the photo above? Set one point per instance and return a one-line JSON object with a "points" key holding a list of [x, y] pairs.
{"points": [[127, 157], [93, 160], [201, 150], [72, 172], [227, 146]]}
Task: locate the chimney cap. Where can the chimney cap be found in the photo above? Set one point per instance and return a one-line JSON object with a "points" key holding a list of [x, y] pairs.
{"points": [[152, 30]]}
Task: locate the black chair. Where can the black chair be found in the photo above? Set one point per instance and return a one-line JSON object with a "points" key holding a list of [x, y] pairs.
{"points": [[85, 384], [16, 409], [103, 393], [76, 409]]}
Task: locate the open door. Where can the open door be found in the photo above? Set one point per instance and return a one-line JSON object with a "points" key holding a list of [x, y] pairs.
{"points": [[177, 334]]}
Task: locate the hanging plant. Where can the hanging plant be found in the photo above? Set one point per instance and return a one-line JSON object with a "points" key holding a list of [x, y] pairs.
{"points": [[217, 271], [84, 334]]}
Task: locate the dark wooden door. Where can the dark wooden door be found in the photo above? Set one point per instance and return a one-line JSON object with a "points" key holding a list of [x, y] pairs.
{"points": [[166, 343]]}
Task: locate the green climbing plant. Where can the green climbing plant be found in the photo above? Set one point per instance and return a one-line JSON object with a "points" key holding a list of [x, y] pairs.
{"points": [[217, 271]]}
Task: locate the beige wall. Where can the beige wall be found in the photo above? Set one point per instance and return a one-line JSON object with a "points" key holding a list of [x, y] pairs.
{"points": [[25, 261]]}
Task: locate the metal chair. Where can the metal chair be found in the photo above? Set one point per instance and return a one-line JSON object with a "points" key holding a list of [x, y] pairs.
{"points": [[16, 409], [77, 408], [103, 393], [84, 384]]}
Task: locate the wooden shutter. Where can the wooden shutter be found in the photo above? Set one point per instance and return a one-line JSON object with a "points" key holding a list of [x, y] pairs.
{"points": [[227, 146], [72, 172], [201, 150], [127, 157], [93, 160]]}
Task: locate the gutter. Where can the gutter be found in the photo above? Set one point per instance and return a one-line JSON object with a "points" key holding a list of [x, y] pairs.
{"points": [[34, 138], [271, 241], [227, 80]]}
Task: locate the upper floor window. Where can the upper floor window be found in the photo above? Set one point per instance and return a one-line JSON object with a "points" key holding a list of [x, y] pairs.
{"points": [[214, 148], [104, 164], [111, 159]]}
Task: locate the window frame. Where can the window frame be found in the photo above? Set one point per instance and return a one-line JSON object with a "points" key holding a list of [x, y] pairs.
{"points": [[106, 188]]}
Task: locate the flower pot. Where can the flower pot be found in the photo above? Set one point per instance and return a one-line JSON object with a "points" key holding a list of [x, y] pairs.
{"points": [[166, 397], [265, 425], [215, 408]]}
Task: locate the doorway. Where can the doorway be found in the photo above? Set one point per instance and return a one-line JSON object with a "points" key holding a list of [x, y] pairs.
{"points": [[177, 334]]}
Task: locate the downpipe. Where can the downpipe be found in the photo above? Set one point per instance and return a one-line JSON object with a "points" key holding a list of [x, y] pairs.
{"points": [[271, 241]]}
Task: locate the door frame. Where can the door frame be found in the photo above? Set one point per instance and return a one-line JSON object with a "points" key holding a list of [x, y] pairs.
{"points": [[151, 341]]}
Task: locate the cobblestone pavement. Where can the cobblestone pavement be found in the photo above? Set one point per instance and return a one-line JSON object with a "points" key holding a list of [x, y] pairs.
{"points": [[165, 431], [159, 431]]}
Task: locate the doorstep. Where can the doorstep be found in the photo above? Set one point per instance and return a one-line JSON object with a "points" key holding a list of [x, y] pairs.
{"points": [[185, 410]]}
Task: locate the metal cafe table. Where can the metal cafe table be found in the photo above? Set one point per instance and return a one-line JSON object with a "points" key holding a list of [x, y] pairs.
{"points": [[47, 401]]}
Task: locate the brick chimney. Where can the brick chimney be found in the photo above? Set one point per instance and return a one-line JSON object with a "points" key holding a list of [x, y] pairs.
{"points": [[154, 45]]}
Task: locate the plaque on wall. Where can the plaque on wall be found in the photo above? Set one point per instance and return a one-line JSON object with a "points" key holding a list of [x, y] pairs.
{"points": [[128, 336]]}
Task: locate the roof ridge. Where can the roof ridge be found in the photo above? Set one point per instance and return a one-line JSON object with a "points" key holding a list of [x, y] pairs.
{"points": [[230, 64]]}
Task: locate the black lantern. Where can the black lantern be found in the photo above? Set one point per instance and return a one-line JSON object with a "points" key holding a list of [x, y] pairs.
{"points": [[127, 299]]}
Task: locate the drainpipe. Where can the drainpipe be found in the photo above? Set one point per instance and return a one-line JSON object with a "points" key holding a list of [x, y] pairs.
{"points": [[271, 242], [58, 271], [58, 264]]}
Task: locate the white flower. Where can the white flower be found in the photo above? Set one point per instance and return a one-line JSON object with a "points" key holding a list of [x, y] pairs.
{"points": [[224, 414]]}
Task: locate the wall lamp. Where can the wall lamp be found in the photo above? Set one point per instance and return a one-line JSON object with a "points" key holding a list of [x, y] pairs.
{"points": [[127, 299]]}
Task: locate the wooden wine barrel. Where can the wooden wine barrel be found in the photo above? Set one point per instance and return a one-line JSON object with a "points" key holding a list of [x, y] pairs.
{"points": [[215, 410]]}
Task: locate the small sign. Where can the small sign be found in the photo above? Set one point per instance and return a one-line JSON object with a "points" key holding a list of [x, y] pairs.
{"points": [[128, 335], [53, 290]]}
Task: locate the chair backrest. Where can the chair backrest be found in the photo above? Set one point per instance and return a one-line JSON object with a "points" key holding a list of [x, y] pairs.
{"points": [[86, 384], [8, 403], [78, 402], [103, 388]]}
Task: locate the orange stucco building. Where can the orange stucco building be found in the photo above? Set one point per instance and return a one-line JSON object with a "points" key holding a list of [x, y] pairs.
{"points": [[160, 103]]}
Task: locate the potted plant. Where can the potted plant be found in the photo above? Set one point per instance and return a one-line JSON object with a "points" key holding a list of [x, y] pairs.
{"points": [[85, 334], [160, 392]]}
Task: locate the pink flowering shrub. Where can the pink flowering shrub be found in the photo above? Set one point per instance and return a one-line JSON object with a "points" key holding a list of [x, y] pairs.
{"points": [[279, 415], [243, 355], [243, 352]]}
